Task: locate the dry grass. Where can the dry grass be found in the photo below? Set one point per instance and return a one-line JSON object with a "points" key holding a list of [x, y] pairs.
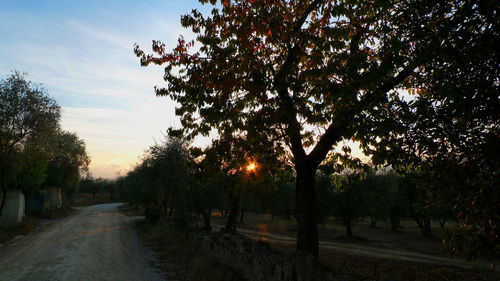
{"points": [[27, 225], [371, 268], [30, 223], [181, 260], [59, 213]]}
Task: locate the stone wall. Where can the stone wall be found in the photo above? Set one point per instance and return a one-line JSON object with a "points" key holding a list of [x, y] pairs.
{"points": [[13, 211]]}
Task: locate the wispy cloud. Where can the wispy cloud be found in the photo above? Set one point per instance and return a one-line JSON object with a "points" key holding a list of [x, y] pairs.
{"points": [[90, 68], [100, 35]]}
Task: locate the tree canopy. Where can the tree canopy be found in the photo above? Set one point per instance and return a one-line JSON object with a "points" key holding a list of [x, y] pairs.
{"points": [[70, 159], [33, 148], [450, 132], [29, 120], [307, 73]]}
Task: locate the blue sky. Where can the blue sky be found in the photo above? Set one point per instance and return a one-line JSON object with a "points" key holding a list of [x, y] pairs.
{"points": [[82, 53]]}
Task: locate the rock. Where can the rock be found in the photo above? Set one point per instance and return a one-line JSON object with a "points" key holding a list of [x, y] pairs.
{"points": [[17, 237]]}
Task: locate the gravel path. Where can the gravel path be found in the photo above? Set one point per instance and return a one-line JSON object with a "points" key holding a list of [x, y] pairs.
{"points": [[96, 243]]}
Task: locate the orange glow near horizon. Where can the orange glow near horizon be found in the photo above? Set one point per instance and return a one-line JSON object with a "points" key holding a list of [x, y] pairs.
{"points": [[251, 167]]}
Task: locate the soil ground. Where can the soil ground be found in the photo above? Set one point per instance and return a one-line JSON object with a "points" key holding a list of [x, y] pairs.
{"points": [[94, 243], [376, 252]]}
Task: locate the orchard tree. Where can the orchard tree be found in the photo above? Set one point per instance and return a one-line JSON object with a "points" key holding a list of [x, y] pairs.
{"points": [[348, 185], [167, 172], [29, 121], [92, 185], [69, 161], [451, 131], [209, 189], [303, 72]]}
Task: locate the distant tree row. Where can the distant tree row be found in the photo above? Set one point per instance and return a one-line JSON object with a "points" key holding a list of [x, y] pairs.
{"points": [[380, 195], [92, 185], [188, 184], [34, 151]]}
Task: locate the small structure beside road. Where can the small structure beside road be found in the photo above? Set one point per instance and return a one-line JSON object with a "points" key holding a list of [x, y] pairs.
{"points": [[17, 204], [13, 211]]}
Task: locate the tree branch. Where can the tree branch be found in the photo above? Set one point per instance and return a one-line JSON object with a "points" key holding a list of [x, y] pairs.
{"points": [[305, 14], [287, 106], [333, 133]]}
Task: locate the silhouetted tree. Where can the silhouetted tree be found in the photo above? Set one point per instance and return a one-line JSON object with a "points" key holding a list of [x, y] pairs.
{"points": [[450, 130], [29, 120], [70, 159], [92, 185], [308, 72]]}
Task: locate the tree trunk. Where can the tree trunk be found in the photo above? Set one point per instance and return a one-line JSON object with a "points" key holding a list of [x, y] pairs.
{"points": [[233, 216], [307, 229], [2, 203], [394, 218], [442, 222], [373, 221], [348, 226], [423, 221], [164, 203], [206, 219], [426, 226], [242, 214], [394, 224]]}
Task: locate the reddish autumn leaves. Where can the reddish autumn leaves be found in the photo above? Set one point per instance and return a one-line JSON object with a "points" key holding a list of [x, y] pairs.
{"points": [[308, 74]]}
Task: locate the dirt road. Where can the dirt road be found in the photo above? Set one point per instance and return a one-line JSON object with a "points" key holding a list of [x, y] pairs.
{"points": [[97, 243]]}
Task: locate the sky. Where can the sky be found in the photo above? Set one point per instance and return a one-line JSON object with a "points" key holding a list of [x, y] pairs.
{"points": [[82, 54]]}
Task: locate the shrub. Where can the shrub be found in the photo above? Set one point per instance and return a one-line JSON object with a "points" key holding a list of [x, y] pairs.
{"points": [[153, 214]]}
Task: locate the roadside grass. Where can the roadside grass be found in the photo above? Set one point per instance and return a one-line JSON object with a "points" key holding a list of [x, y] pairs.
{"points": [[31, 222], [27, 225], [408, 237], [373, 268], [59, 213], [129, 210], [181, 260]]}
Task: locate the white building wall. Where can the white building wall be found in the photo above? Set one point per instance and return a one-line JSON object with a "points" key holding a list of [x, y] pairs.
{"points": [[13, 211]]}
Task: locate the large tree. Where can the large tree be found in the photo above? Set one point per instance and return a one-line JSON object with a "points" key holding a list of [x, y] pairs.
{"points": [[450, 133], [29, 120], [302, 72]]}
